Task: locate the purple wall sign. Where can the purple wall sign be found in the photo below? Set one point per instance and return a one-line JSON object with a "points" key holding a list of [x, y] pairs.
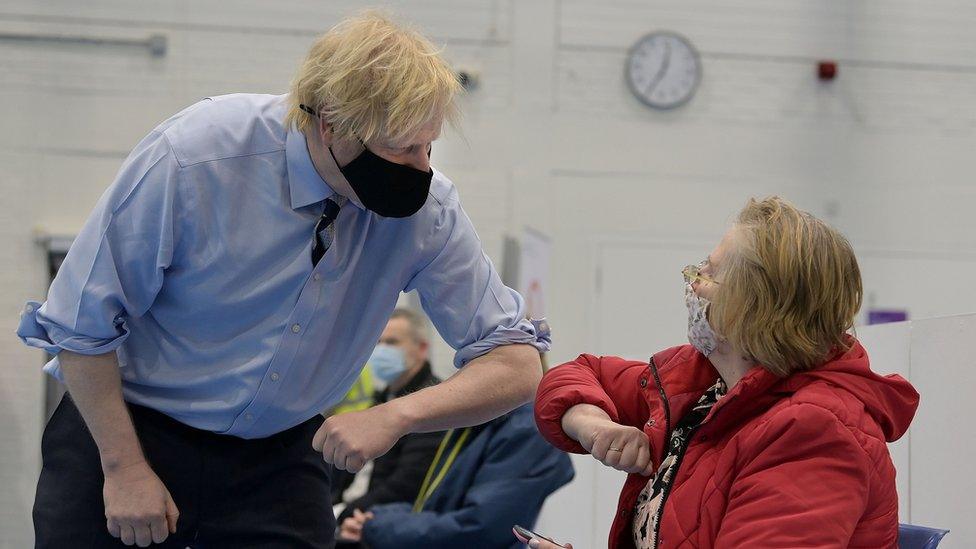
{"points": [[883, 316]]}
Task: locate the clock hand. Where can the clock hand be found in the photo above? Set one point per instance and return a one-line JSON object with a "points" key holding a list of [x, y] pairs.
{"points": [[661, 71]]}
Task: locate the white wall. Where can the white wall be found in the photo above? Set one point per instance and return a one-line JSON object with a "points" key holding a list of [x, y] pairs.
{"points": [[551, 139]]}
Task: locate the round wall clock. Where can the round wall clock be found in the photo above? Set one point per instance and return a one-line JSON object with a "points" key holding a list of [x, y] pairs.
{"points": [[663, 70]]}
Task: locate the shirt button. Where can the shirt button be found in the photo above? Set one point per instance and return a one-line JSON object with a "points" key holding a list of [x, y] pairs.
{"points": [[29, 309], [274, 376], [248, 417], [317, 276], [296, 328]]}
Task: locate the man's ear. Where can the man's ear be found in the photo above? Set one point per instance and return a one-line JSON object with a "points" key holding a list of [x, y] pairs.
{"points": [[324, 130]]}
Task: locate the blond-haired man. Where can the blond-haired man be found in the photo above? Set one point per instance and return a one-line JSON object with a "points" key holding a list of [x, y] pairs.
{"points": [[231, 283]]}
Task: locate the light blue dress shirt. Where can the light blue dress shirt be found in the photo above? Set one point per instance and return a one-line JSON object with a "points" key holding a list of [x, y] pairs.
{"points": [[195, 266]]}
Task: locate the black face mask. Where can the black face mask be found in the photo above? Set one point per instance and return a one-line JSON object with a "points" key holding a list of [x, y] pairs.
{"points": [[384, 187], [387, 188]]}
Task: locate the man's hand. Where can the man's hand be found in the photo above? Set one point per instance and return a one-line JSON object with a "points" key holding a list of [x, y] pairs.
{"points": [[138, 507], [622, 447], [352, 527], [485, 388], [349, 440]]}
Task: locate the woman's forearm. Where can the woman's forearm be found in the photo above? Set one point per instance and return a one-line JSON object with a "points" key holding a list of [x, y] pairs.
{"points": [[579, 420]]}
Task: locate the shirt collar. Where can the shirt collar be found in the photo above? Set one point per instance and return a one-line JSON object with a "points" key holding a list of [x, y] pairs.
{"points": [[304, 182]]}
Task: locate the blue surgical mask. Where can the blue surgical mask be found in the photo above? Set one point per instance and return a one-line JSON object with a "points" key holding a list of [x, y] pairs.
{"points": [[387, 362]]}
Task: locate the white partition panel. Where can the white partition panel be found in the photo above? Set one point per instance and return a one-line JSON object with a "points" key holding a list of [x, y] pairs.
{"points": [[943, 440], [889, 347]]}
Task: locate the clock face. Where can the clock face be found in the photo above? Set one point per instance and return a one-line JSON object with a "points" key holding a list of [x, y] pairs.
{"points": [[663, 70]]}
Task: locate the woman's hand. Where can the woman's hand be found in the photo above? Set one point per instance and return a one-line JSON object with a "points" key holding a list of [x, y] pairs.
{"points": [[622, 447], [352, 528]]}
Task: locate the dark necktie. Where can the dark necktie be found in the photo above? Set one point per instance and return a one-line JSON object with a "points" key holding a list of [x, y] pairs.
{"points": [[323, 235]]}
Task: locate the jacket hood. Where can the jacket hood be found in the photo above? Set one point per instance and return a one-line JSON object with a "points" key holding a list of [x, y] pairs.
{"points": [[890, 400]]}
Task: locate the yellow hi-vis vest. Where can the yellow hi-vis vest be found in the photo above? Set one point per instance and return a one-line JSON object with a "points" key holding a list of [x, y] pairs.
{"points": [[359, 397]]}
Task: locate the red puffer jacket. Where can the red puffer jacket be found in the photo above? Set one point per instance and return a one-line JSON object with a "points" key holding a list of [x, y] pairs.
{"points": [[793, 462]]}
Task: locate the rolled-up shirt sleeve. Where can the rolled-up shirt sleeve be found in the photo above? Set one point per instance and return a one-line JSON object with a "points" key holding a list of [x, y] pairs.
{"points": [[114, 268], [461, 292]]}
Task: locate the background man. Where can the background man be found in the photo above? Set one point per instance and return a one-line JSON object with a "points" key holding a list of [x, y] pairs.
{"points": [[400, 362]]}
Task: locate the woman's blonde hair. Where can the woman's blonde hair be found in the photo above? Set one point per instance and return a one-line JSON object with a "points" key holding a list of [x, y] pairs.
{"points": [[369, 76], [789, 289]]}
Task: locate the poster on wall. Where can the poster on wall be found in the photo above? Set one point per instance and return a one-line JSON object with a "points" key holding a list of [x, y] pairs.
{"points": [[56, 247], [533, 276]]}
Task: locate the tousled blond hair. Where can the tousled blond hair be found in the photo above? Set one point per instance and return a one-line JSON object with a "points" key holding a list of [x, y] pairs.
{"points": [[790, 288], [369, 76]]}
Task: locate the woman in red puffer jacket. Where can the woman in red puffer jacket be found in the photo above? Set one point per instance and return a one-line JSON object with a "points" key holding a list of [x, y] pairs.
{"points": [[770, 429]]}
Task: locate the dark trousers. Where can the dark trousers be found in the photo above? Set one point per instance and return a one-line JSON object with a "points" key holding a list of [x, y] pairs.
{"points": [[231, 492]]}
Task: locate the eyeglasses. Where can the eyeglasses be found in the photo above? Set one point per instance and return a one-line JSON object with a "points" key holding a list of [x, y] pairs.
{"points": [[693, 273]]}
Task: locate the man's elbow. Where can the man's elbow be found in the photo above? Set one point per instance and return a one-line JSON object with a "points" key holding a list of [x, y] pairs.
{"points": [[534, 375], [526, 361]]}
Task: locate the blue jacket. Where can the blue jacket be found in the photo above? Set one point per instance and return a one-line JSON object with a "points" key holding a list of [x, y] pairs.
{"points": [[501, 478]]}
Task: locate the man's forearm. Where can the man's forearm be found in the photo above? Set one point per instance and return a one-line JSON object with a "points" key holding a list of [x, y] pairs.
{"points": [[485, 388], [96, 388]]}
